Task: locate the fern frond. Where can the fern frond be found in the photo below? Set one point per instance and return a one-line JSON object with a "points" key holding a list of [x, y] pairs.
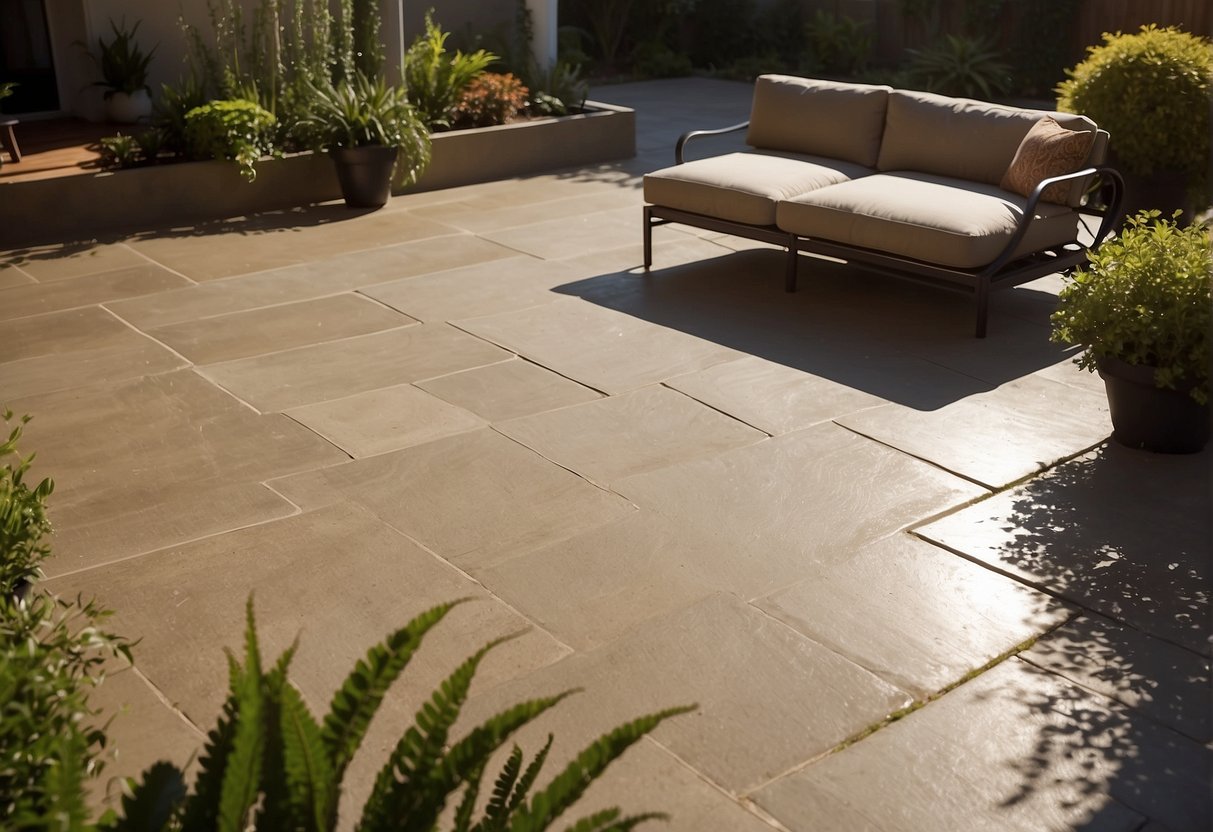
{"points": [[275, 810], [242, 777], [570, 784], [311, 787], [357, 700], [410, 787], [503, 788], [528, 780], [615, 824], [202, 807], [467, 806], [597, 821]]}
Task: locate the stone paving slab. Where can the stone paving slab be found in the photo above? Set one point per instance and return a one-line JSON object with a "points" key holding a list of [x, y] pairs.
{"points": [[914, 614], [277, 240], [473, 291], [770, 396], [768, 697], [602, 349], [383, 420], [318, 577], [1166, 683], [616, 437], [278, 328], [1017, 748], [476, 217], [310, 280], [50, 263], [13, 276], [591, 588], [508, 390], [38, 298], [1125, 533], [59, 350], [473, 499], [994, 438], [318, 373], [795, 501]]}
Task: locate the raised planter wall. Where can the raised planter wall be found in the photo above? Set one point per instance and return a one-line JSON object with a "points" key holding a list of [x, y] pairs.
{"points": [[80, 206]]}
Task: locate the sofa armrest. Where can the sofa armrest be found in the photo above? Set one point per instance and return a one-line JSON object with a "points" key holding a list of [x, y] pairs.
{"points": [[694, 134], [1106, 176]]}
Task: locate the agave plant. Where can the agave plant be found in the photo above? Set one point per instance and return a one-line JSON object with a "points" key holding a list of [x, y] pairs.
{"points": [[269, 764], [961, 65]]}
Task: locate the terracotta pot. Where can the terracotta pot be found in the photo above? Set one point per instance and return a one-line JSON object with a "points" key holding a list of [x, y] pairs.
{"points": [[1149, 417], [128, 109], [365, 174]]}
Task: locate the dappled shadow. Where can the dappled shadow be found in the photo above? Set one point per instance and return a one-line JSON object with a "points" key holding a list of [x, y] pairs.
{"points": [[1125, 533], [903, 342], [286, 221]]}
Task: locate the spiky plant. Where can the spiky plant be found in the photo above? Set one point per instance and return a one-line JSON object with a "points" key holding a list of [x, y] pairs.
{"points": [[270, 764]]}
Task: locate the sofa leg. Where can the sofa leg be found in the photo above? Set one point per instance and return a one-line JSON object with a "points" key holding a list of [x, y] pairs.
{"points": [[789, 281], [648, 237], [983, 306]]}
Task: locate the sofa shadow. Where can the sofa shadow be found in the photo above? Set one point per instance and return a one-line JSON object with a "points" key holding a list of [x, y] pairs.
{"points": [[904, 342]]}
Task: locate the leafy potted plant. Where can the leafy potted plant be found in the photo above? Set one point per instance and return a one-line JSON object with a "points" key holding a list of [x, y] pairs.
{"points": [[368, 127], [1150, 90], [124, 66], [1141, 307]]}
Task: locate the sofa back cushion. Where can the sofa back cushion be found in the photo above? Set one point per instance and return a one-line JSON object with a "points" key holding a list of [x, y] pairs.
{"points": [[820, 118], [959, 137]]}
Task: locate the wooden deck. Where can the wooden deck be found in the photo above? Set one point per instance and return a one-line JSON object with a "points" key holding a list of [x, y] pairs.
{"points": [[58, 147]]}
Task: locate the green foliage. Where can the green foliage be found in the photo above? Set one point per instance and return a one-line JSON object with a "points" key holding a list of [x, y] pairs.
{"points": [[558, 90], [120, 151], [270, 764], [837, 44], [6, 89], [365, 112], [960, 65], [122, 63], [491, 98], [1144, 298], [231, 129], [1150, 90], [434, 79], [52, 654], [23, 520], [152, 143], [171, 107], [653, 59]]}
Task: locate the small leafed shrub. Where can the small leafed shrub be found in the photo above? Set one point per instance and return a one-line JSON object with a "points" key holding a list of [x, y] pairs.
{"points": [[435, 80], [23, 520], [269, 764], [231, 129], [491, 98], [120, 151], [1150, 90], [1144, 298]]}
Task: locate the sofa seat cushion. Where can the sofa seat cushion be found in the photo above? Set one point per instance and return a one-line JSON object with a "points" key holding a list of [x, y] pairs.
{"points": [[744, 187], [936, 219]]}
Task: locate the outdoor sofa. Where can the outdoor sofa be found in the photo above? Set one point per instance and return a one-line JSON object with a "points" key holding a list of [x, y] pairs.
{"points": [[954, 192]]}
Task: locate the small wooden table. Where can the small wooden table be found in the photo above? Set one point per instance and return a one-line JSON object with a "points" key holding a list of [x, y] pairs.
{"points": [[8, 138]]}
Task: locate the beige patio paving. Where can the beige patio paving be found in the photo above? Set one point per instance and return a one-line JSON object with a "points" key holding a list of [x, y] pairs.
{"points": [[804, 512]]}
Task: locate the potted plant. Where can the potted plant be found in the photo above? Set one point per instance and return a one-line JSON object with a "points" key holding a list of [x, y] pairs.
{"points": [[124, 66], [368, 128], [1141, 308], [1150, 90]]}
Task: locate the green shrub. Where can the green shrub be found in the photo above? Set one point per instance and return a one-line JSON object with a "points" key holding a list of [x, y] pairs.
{"points": [[837, 44], [269, 764], [559, 90], [120, 151], [122, 63], [1144, 297], [171, 107], [960, 65], [653, 59], [491, 98], [231, 129], [1150, 90], [435, 80], [23, 520]]}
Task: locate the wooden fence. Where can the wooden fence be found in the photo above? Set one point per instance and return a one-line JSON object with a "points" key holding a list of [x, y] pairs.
{"points": [[1098, 16]]}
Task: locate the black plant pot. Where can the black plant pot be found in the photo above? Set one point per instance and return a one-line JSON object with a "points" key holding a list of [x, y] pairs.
{"points": [[1151, 418], [365, 174]]}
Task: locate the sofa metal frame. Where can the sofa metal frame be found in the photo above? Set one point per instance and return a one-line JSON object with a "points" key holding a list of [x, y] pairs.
{"points": [[1002, 272]]}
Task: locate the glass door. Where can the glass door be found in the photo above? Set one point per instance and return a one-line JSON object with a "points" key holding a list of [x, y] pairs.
{"points": [[25, 57]]}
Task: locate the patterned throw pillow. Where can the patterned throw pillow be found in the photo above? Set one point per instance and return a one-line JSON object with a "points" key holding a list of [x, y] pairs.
{"points": [[1048, 150]]}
